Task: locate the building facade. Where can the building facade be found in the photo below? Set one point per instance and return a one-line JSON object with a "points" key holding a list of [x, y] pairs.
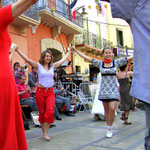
{"points": [[119, 34], [94, 38], [46, 25], [100, 31], [50, 24]]}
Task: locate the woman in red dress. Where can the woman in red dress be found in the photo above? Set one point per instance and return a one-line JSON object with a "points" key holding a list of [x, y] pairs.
{"points": [[12, 135]]}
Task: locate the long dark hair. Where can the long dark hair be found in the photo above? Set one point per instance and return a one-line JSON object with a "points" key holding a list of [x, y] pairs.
{"points": [[123, 68], [43, 54], [16, 63]]}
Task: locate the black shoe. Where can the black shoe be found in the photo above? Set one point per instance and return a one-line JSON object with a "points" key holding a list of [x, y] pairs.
{"points": [[70, 114], [58, 118], [52, 125]]}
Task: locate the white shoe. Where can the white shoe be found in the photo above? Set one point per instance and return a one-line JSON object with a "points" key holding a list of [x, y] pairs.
{"points": [[109, 133]]}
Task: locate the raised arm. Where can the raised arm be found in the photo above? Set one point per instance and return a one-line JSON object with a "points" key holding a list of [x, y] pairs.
{"points": [[58, 63], [130, 73], [20, 6], [31, 62], [12, 49], [89, 59]]}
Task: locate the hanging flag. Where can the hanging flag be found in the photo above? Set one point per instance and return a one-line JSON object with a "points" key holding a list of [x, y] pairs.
{"points": [[89, 7], [97, 1], [74, 15], [105, 6], [73, 4], [100, 7], [103, 10], [73, 11], [97, 7]]}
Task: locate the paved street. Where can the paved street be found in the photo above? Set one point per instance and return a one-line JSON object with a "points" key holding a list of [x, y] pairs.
{"points": [[84, 133]]}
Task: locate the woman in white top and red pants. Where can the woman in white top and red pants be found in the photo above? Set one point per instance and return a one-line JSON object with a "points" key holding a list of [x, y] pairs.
{"points": [[45, 97]]}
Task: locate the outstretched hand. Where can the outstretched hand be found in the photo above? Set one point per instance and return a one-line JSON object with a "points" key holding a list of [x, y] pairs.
{"points": [[72, 48], [16, 48]]}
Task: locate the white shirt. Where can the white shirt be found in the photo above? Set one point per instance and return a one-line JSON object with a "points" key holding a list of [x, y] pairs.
{"points": [[45, 76]]}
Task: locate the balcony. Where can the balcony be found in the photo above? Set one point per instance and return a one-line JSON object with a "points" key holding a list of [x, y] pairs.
{"points": [[124, 51], [28, 19], [56, 13], [91, 43]]}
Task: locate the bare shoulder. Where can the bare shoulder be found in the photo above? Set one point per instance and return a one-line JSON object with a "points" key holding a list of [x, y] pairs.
{"points": [[130, 73], [120, 75]]}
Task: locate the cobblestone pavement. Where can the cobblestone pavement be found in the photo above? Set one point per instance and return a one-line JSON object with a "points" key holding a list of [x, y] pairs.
{"points": [[82, 132]]}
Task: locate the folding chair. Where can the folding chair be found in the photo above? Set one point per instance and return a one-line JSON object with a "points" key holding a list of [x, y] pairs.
{"points": [[86, 102]]}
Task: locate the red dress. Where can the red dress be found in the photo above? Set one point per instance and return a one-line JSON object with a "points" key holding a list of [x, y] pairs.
{"points": [[12, 135]]}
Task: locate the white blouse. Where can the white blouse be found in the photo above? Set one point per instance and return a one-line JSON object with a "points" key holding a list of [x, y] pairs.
{"points": [[45, 76]]}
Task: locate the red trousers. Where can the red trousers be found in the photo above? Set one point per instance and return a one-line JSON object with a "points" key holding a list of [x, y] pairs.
{"points": [[45, 99]]}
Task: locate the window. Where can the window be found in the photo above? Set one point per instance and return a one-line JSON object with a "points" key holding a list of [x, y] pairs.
{"points": [[119, 37], [78, 69]]}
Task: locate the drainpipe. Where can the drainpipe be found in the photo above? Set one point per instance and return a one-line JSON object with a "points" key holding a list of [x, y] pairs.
{"points": [[73, 62]]}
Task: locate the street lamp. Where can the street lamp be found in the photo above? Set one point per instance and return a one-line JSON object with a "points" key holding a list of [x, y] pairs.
{"points": [[83, 10]]}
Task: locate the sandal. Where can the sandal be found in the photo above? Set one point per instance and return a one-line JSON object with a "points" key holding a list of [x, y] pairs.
{"points": [[127, 123], [96, 117], [123, 116]]}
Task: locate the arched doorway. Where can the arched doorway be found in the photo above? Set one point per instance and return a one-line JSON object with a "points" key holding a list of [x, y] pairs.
{"points": [[56, 54], [51, 44]]}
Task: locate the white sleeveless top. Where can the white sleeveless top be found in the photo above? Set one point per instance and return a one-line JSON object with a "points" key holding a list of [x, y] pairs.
{"points": [[45, 76]]}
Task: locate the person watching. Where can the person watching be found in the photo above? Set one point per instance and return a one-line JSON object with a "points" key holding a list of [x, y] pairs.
{"points": [[24, 94], [33, 78], [63, 100]]}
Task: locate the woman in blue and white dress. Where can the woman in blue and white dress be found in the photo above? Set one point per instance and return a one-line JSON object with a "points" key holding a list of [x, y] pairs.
{"points": [[109, 93]]}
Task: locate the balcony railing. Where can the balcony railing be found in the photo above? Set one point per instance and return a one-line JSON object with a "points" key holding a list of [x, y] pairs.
{"points": [[92, 40], [61, 8], [32, 12], [124, 51]]}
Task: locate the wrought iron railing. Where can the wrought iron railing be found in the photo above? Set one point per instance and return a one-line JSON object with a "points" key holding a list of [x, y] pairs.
{"points": [[32, 12], [124, 51], [61, 8], [92, 40]]}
